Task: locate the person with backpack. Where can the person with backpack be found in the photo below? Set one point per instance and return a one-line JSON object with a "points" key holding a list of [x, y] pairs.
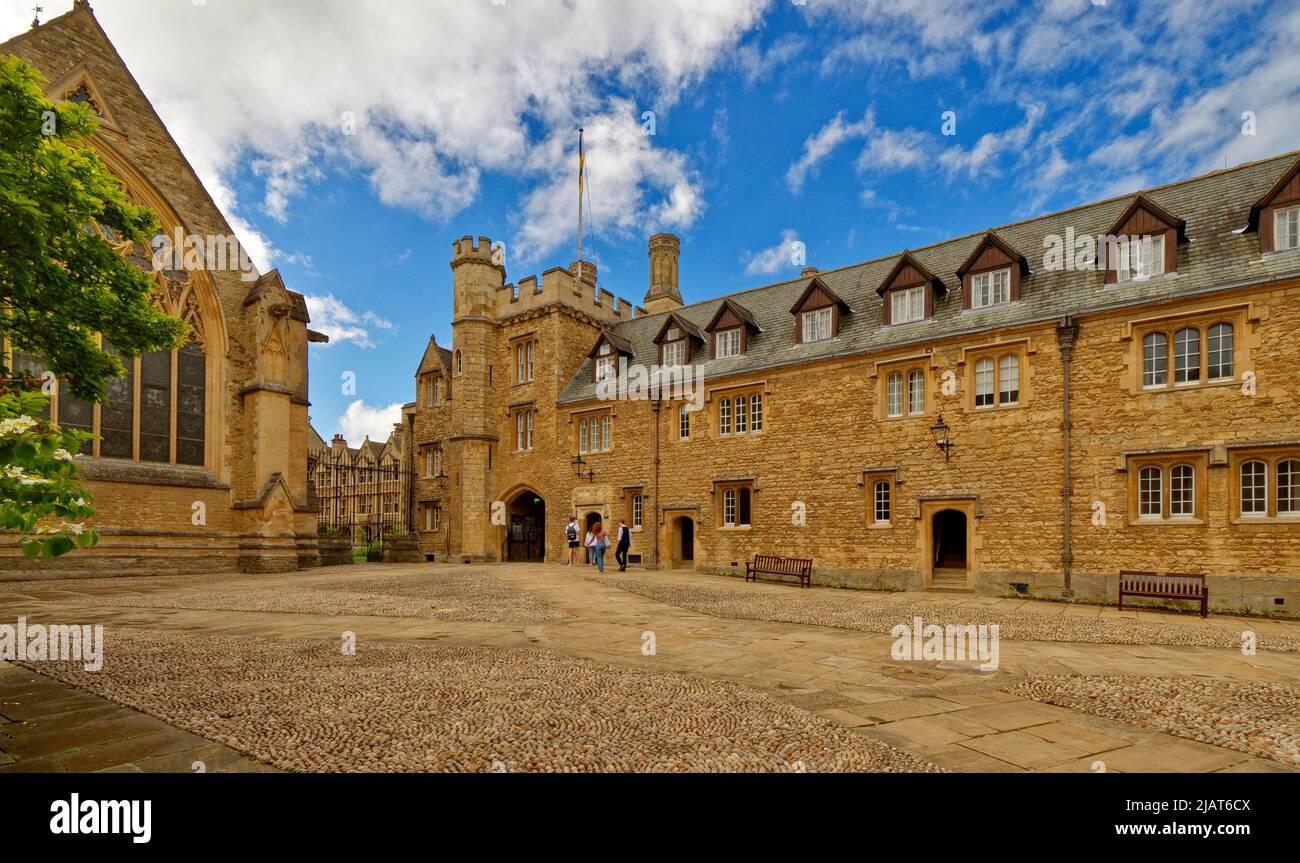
{"points": [[571, 534]]}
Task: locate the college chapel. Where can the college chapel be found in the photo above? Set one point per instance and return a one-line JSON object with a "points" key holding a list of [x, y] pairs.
{"points": [[201, 458]]}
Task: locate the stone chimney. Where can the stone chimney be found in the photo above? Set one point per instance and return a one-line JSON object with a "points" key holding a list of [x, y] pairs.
{"points": [[663, 295], [339, 445]]}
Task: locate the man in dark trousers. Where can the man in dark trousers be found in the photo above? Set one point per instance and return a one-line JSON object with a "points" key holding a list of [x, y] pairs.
{"points": [[624, 543]]}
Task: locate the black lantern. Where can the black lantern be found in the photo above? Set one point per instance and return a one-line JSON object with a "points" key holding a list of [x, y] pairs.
{"points": [[940, 431], [578, 464]]}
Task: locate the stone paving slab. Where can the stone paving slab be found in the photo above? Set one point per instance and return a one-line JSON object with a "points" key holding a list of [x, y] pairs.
{"points": [[50, 727]]}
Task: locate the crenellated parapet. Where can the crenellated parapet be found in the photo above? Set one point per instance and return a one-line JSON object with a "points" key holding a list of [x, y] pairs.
{"points": [[558, 285]]}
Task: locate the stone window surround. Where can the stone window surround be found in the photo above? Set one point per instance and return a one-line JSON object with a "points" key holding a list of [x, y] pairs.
{"points": [[522, 342], [720, 487], [1272, 456], [968, 358], [714, 397], [1197, 458], [871, 477], [927, 364], [577, 416], [1244, 319]]}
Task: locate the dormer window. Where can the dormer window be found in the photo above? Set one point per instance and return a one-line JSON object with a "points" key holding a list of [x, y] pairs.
{"points": [[818, 313], [991, 288], [907, 305], [991, 274], [817, 325], [909, 291], [677, 337], [726, 343], [1143, 243], [730, 330], [1276, 215], [605, 356], [1286, 229]]}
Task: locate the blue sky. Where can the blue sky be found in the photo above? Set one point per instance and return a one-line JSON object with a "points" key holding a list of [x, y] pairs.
{"points": [[774, 122]]}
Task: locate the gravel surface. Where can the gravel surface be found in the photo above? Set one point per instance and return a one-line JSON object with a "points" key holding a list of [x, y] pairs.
{"points": [[1255, 717], [451, 594], [847, 610], [303, 706]]}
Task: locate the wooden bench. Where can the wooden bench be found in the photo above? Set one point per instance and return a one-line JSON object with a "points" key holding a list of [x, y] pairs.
{"points": [[770, 564], [1171, 585]]}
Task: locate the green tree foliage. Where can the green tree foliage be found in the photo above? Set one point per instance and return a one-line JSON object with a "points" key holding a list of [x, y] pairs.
{"points": [[61, 284]]}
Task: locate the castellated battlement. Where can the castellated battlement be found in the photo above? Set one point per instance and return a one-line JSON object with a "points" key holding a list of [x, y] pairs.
{"points": [[466, 250], [558, 285]]}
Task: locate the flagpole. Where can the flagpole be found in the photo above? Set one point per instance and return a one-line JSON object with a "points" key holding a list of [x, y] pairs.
{"points": [[580, 170]]}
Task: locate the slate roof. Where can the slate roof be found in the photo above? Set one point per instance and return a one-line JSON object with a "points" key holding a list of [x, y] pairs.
{"points": [[1218, 254]]}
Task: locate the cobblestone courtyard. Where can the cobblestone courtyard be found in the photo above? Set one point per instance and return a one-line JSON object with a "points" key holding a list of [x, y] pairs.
{"points": [[547, 668]]}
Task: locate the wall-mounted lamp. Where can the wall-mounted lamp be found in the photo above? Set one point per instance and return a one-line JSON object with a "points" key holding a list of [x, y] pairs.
{"points": [[940, 431]]}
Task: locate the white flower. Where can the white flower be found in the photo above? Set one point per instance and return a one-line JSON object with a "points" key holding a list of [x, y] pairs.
{"points": [[63, 455], [16, 426], [74, 528]]}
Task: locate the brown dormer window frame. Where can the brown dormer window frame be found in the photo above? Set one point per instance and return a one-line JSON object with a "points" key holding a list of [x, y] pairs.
{"points": [[992, 255], [676, 330], [1141, 221], [815, 299], [1282, 197], [731, 316], [909, 274], [608, 347]]}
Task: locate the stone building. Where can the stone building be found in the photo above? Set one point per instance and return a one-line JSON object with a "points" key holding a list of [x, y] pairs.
{"points": [[362, 491], [202, 452], [1033, 407]]}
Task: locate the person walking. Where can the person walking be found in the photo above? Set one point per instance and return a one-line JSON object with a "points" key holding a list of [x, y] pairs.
{"points": [[587, 544], [600, 542], [571, 535], [624, 543]]}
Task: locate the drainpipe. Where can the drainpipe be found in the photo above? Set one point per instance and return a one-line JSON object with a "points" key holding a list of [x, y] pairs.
{"points": [[1067, 335], [654, 420]]}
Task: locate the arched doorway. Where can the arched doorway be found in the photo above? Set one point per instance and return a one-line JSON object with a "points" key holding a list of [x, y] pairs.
{"points": [[684, 542], [526, 540], [950, 543]]}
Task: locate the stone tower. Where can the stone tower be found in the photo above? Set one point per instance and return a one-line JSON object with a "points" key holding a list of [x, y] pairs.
{"points": [[476, 279], [663, 295]]}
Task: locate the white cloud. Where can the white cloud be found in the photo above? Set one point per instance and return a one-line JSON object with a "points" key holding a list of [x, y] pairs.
{"points": [[331, 316], [774, 258], [821, 144], [361, 420], [442, 91]]}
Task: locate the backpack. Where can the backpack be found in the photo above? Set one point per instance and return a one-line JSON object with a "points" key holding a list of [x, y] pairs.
{"points": [[572, 533]]}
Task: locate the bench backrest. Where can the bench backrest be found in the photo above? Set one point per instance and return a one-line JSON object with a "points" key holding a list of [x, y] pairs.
{"points": [[781, 565], [1169, 584]]}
